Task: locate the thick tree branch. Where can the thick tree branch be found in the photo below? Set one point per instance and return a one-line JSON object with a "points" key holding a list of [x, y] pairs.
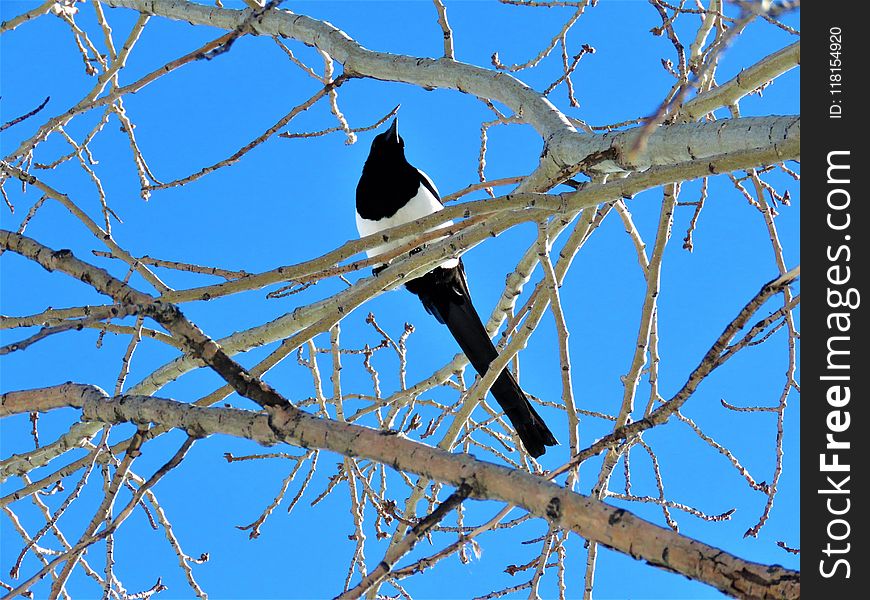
{"points": [[591, 519], [745, 82], [565, 150]]}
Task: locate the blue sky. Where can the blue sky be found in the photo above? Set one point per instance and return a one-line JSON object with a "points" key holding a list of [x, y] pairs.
{"points": [[290, 200]]}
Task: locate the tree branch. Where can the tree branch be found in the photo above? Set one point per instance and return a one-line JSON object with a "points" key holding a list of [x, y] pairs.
{"points": [[593, 520]]}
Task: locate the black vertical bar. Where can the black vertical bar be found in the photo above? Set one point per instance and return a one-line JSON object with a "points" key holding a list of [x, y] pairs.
{"points": [[835, 228]]}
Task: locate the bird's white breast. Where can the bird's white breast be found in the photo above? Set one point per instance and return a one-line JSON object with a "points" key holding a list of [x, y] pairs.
{"points": [[421, 205]]}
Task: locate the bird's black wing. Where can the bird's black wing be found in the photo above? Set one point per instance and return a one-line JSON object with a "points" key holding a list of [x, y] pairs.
{"points": [[430, 185]]}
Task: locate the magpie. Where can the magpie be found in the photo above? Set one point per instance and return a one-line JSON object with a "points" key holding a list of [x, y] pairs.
{"points": [[391, 192]]}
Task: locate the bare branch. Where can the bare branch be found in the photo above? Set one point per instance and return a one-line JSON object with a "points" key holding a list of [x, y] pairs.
{"points": [[445, 28], [26, 115]]}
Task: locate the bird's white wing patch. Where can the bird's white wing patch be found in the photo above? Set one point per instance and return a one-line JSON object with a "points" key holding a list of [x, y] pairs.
{"points": [[424, 203]]}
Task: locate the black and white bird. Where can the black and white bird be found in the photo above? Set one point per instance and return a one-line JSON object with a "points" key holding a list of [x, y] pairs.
{"points": [[391, 192]]}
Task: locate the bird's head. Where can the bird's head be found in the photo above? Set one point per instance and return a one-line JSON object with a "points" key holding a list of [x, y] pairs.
{"points": [[388, 146]]}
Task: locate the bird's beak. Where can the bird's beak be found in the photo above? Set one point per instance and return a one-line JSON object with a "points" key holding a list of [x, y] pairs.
{"points": [[393, 131]]}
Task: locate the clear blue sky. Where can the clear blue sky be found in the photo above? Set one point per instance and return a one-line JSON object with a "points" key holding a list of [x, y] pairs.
{"points": [[290, 200]]}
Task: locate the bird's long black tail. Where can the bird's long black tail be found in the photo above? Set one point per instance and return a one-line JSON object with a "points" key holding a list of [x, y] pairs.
{"points": [[466, 326], [451, 305]]}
